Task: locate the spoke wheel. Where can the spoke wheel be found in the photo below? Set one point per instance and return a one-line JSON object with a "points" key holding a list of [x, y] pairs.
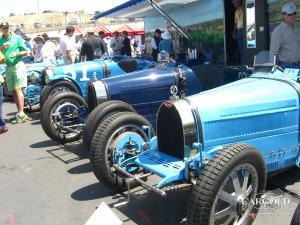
{"points": [[227, 187], [66, 115], [61, 117], [233, 203], [99, 114], [118, 139]]}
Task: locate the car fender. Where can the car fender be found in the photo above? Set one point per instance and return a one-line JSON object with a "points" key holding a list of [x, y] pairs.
{"points": [[57, 78]]}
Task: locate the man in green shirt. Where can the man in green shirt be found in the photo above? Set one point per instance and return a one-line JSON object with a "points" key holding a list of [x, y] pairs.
{"points": [[13, 49]]}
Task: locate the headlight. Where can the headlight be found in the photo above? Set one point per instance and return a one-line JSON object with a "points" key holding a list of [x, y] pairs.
{"points": [[97, 94]]}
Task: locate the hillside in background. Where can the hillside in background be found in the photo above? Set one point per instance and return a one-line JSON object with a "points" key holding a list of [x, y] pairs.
{"points": [[51, 21]]}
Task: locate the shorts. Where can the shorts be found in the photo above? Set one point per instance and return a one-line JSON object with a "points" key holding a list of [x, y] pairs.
{"points": [[16, 76]]}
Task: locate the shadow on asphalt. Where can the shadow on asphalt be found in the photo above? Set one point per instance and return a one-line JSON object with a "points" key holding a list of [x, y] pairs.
{"points": [[34, 115], [150, 209], [279, 182], [84, 168], [67, 153], [44, 144], [91, 192], [11, 114]]}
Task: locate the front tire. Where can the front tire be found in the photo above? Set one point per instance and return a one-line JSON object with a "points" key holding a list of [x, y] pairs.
{"points": [[60, 111], [296, 216], [55, 87], [105, 150], [100, 113], [218, 196]]}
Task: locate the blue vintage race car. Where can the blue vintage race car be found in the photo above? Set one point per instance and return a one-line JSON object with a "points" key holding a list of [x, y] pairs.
{"points": [[220, 143], [34, 82], [63, 117], [74, 78]]}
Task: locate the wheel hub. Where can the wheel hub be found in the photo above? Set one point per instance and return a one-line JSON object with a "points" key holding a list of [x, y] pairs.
{"points": [[126, 146], [242, 205]]}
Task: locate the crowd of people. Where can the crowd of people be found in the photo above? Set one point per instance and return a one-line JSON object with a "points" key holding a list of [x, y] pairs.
{"points": [[16, 50], [90, 46], [285, 43]]}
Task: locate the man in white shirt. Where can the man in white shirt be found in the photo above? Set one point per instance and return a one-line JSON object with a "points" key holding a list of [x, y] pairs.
{"points": [[116, 44], [67, 46], [49, 50], [285, 40]]}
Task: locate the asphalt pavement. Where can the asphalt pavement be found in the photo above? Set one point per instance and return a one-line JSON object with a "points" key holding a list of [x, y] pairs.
{"points": [[45, 183]]}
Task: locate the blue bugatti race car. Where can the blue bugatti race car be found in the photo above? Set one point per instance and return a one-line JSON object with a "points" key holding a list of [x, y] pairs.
{"points": [[63, 117], [75, 77], [221, 143]]}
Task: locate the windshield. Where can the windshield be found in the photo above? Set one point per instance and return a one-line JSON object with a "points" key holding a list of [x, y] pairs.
{"points": [[264, 58], [202, 23]]}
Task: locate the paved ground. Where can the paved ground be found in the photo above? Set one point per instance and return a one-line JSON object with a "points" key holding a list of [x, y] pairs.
{"points": [[42, 182]]}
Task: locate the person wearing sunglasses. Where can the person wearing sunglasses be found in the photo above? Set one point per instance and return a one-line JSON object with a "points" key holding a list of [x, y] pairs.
{"points": [[285, 39]]}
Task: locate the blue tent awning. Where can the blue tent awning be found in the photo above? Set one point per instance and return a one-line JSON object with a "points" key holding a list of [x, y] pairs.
{"points": [[122, 8]]}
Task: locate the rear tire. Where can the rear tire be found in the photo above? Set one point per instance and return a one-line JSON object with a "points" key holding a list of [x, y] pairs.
{"points": [[105, 141], [50, 123], [51, 88], [100, 113], [218, 196]]}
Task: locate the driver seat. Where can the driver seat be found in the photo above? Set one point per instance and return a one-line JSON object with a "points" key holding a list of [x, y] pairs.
{"points": [[128, 65]]}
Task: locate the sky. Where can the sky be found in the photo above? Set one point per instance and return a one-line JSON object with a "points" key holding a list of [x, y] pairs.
{"points": [[27, 6]]}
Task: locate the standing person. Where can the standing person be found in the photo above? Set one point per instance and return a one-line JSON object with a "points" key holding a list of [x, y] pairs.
{"points": [[285, 39], [116, 44], [3, 127], [91, 47], [67, 46], [13, 49], [37, 46], [126, 47], [49, 50], [166, 44], [237, 33], [104, 45], [155, 43]]}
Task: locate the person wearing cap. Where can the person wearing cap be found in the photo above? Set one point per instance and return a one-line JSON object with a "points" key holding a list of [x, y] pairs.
{"points": [[237, 33], [13, 48], [91, 47], [155, 43], [3, 127], [116, 43], [37, 46], [49, 50], [166, 43], [68, 46], [285, 39]]}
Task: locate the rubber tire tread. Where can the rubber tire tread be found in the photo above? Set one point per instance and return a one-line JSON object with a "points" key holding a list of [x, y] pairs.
{"points": [[296, 216], [214, 174], [50, 86], [99, 141], [46, 115], [99, 114]]}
